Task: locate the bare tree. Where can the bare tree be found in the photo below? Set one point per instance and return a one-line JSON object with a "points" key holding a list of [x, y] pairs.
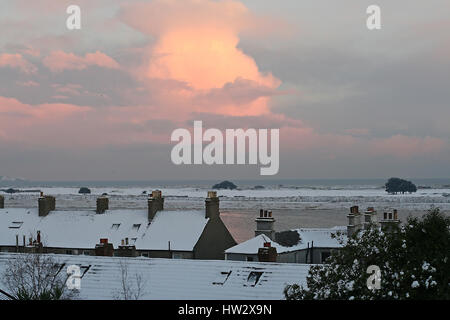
{"points": [[34, 276], [131, 286]]}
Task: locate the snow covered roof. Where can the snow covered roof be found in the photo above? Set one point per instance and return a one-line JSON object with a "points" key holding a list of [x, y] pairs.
{"points": [[174, 279], [320, 237], [83, 229], [252, 245]]}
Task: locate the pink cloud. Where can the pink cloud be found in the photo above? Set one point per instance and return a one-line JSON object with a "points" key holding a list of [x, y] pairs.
{"points": [[197, 44], [59, 60], [17, 61]]}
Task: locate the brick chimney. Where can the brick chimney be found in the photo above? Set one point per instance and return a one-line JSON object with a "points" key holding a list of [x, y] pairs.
{"points": [[104, 248], [267, 253], [102, 204], [2, 202], [264, 224], [212, 205], [155, 203], [46, 204]]}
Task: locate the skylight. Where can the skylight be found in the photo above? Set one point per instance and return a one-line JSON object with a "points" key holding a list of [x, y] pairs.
{"points": [[222, 278], [115, 226], [15, 224], [253, 277]]}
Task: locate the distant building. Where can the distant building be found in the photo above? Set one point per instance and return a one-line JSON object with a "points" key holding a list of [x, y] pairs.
{"points": [[304, 245], [179, 279], [155, 232]]}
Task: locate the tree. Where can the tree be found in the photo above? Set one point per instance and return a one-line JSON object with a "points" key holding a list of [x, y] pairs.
{"points": [[84, 190], [395, 185], [131, 287], [414, 263], [33, 276], [225, 185]]}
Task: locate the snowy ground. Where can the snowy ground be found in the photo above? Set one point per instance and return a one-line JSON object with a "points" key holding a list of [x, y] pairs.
{"points": [[292, 207]]}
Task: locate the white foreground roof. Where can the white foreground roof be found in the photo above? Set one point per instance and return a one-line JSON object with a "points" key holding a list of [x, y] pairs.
{"points": [[83, 229], [172, 279]]}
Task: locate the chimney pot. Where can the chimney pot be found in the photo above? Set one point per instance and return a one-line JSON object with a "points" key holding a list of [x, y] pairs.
{"points": [[156, 194], [270, 214], [261, 213], [212, 194]]}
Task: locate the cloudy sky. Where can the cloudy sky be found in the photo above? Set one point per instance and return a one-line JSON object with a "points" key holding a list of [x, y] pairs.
{"points": [[100, 103]]}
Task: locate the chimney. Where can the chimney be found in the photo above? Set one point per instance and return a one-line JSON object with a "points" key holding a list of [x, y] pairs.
{"points": [[264, 224], [267, 253], [102, 204], [155, 203], [370, 217], [104, 248], [46, 204], [212, 205], [125, 249], [2, 202], [390, 221], [354, 221]]}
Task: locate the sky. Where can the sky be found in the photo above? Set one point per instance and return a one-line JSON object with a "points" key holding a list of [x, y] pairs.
{"points": [[100, 103]]}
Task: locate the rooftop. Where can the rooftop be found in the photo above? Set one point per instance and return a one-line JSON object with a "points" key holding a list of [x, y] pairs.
{"points": [[319, 237], [83, 229], [182, 279]]}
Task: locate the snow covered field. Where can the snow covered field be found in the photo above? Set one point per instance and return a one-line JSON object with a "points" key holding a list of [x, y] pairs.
{"points": [[278, 198], [293, 207]]}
